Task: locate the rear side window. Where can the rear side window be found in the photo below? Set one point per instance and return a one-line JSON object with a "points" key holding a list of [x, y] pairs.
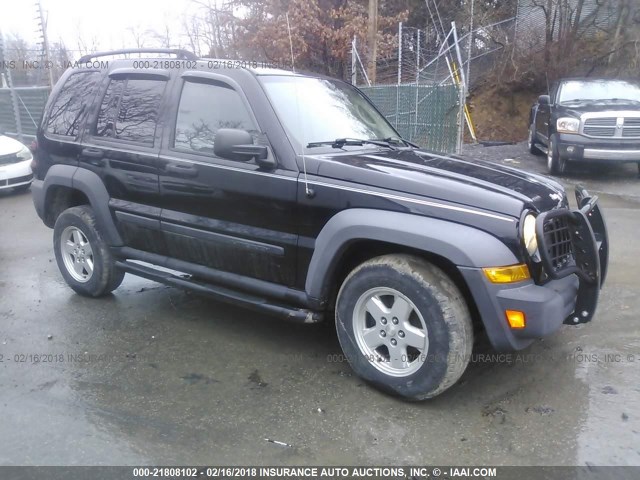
{"points": [[129, 110], [67, 111], [204, 108]]}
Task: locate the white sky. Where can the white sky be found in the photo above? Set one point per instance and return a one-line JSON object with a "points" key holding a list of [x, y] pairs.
{"points": [[107, 22]]}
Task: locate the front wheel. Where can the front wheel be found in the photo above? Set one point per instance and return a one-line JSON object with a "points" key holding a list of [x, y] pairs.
{"points": [[82, 255], [556, 165], [404, 326]]}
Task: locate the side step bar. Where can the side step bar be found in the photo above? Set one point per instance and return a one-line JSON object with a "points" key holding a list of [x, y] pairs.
{"points": [[222, 294], [279, 293]]}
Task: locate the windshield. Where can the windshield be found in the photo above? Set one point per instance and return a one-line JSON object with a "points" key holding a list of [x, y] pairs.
{"points": [[325, 110], [589, 90]]}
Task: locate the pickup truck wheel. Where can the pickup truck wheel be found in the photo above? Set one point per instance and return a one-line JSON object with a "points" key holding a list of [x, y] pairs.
{"points": [[556, 165], [404, 326], [531, 141], [82, 255]]}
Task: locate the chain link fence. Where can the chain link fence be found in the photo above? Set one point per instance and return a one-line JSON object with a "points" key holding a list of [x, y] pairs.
{"points": [[418, 89], [20, 111], [424, 114]]}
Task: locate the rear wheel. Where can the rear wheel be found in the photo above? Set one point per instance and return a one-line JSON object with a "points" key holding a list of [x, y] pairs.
{"points": [[531, 141], [83, 257], [404, 326], [556, 165]]}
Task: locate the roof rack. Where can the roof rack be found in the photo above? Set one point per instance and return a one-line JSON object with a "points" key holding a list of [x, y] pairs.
{"points": [[182, 54]]}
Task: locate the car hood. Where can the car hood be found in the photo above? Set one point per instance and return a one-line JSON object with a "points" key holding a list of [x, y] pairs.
{"points": [[577, 109], [9, 146], [479, 184]]}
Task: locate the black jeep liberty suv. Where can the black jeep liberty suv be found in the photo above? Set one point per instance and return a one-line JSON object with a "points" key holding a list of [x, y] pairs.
{"points": [[291, 195]]}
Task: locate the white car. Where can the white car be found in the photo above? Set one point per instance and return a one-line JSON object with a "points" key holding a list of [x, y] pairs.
{"points": [[15, 164]]}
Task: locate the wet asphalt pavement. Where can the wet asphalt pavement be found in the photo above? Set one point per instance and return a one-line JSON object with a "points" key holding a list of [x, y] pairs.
{"points": [[154, 375]]}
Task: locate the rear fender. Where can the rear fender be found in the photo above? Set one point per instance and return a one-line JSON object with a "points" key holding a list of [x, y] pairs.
{"points": [[90, 184]]}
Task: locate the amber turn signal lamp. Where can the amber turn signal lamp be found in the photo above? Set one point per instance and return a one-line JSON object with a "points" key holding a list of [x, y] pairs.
{"points": [[510, 274], [516, 318]]}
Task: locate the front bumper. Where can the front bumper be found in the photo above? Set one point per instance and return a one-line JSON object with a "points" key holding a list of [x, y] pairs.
{"points": [[568, 293], [577, 148], [545, 307], [15, 174]]}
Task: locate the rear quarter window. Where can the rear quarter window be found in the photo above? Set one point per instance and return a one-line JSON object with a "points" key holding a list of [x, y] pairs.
{"points": [[69, 107]]}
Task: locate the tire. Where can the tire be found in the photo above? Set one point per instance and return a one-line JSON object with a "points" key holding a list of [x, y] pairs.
{"points": [[420, 309], [556, 165], [531, 141], [83, 257]]}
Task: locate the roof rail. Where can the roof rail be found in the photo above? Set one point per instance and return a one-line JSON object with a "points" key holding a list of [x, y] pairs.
{"points": [[182, 54]]}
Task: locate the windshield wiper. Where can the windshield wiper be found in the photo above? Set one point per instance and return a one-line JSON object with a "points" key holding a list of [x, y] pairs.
{"points": [[357, 142], [397, 141]]}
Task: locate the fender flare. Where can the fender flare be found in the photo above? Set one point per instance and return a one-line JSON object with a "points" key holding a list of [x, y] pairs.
{"points": [[90, 184], [461, 244]]}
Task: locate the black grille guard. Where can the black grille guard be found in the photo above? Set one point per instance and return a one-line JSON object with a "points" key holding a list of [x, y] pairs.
{"points": [[590, 251]]}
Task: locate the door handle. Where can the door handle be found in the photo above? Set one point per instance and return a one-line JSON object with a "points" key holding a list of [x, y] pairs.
{"points": [[92, 153], [94, 156], [182, 170]]}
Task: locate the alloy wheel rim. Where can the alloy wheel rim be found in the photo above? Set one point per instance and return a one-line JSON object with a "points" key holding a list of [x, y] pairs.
{"points": [[530, 139], [550, 155], [390, 331], [77, 254]]}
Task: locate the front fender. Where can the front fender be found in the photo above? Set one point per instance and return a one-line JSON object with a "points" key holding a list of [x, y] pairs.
{"points": [[462, 245]]}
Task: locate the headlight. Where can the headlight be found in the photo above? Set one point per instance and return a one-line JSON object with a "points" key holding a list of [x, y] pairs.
{"points": [[24, 154], [568, 125], [529, 234]]}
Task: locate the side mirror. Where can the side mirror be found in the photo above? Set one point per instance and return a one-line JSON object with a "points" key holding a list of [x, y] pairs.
{"points": [[236, 144], [544, 100]]}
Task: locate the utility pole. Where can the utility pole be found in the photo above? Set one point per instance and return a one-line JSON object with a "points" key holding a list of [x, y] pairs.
{"points": [[373, 39]]}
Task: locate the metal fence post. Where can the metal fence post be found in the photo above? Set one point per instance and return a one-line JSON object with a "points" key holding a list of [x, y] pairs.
{"points": [[399, 53], [463, 87], [470, 46], [354, 65], [415, 127]]}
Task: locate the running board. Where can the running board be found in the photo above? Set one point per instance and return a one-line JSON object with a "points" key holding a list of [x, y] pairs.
{"points": [[221, 294]]}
